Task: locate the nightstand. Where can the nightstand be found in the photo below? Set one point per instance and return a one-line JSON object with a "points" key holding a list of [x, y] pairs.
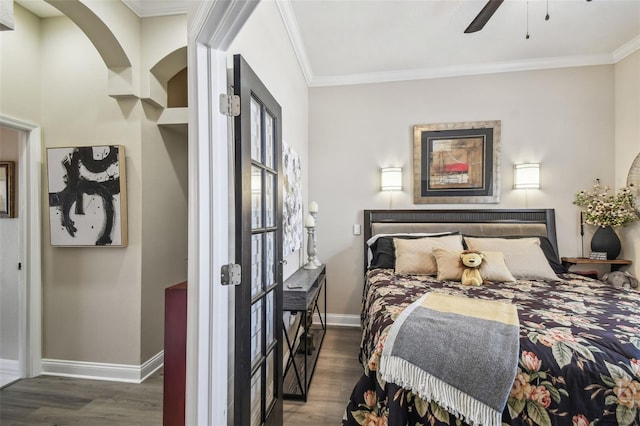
{"points": [[614, 264]]}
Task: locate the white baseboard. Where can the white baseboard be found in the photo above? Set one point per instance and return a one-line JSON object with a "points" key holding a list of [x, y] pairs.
{"points": [[339, 320], [103, 371], [9, 365], [9, 371]]}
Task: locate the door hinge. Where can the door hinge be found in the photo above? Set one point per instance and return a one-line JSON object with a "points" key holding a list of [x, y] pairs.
{"points": [[230, 274], [230, 105]]}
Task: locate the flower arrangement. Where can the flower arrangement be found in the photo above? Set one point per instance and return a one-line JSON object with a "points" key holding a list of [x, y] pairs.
{"points": [[604, 209]]}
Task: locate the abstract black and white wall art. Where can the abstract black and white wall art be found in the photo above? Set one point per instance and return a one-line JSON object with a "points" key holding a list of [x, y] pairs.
{"points": [[87, 196], [292, 232]]}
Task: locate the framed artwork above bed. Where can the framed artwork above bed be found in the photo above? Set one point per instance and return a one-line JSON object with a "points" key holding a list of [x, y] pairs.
{"points": [[456, 162]]}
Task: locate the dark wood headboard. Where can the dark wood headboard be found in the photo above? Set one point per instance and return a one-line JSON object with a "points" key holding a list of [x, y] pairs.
{"points": [[472, 222]]}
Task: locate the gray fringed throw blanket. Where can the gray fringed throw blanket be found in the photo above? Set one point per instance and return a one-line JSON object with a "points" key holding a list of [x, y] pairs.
{"points": [[459, 352]]}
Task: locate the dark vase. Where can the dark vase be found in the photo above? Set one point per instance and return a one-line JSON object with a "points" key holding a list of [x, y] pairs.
{"points": [[605, 239]]}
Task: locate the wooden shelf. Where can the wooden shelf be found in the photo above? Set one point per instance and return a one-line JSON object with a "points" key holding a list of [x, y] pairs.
{"points": [[587, 261], [615, 264]]}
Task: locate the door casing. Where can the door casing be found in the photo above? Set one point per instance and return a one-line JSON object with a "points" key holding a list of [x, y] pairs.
{"points": [[30, 189]]}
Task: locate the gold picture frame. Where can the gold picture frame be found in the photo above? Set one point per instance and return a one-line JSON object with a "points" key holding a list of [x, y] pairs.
{"points": [[456, 162], [7, 189]]}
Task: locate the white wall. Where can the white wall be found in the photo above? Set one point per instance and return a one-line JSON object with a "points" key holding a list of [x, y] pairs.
{"points": [[561, 118], [627, 127], [20, 65], [265, 45], [9, 242]]}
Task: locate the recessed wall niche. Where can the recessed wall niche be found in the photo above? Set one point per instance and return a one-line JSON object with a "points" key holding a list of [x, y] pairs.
{"points": [[177, 90]]}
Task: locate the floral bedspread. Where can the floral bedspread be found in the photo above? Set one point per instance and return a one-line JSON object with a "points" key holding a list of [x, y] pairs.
{"points": [[579, 353]]}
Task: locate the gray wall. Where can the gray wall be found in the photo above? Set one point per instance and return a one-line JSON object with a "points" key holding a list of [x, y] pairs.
{"points": [[562, 118]]}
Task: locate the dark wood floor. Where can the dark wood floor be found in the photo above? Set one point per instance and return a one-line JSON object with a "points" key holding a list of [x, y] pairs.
{"points": [[336, 373], [57, 401]]}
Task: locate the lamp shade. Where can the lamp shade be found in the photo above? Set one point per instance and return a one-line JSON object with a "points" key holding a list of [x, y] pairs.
{"points": [[391, 179], [526, 176]]}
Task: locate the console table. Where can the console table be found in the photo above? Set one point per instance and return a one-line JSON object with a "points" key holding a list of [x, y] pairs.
{"points": [[300, 294]]}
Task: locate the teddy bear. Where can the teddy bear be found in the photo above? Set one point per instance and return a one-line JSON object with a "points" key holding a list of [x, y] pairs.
{"points": [[620, 279], [471, 261]]}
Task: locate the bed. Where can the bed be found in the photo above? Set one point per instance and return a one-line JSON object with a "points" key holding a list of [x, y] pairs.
{"points": [[578, 359]]}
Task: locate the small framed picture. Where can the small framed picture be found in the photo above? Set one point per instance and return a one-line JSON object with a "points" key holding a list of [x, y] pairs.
{"points": [[7, 189], [598, 255]]}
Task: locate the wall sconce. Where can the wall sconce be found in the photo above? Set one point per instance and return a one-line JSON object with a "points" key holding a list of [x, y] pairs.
{"points": [[391, 179], [526, 176]]}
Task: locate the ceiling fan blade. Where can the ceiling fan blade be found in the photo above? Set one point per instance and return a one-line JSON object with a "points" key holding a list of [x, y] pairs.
{"points": [[483, 17]]}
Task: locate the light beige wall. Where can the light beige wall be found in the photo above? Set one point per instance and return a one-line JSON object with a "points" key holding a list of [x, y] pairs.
{"points": [[103, 304], [91, 296], [164, 194], [164, 226], [561, 118], [627, 126], [20, 75], [161, 36], [265, 45]]}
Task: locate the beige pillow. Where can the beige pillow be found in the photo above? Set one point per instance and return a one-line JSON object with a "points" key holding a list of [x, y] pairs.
{"points": [[493, 267], [524, 256], [415, 256]]}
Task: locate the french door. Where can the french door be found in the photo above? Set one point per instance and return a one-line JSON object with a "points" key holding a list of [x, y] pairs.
{"points": [[258, 250]]}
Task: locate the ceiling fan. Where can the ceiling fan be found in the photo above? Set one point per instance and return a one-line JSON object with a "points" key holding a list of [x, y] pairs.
{"points": [[483, 17]]}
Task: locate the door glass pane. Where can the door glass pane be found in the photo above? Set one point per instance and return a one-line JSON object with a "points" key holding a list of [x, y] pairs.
{"points": [[256, 197], [270, 200], [256, 398], [256, 130], [256, 264], [269, 154], [271, 377], [270, 258], [270, 326], [256, 331]]}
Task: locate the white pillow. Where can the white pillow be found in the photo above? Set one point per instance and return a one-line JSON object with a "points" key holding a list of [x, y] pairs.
{"points": [[524, 256], [415, 256]]}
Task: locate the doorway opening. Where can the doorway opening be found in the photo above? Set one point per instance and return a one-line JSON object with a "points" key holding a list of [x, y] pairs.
{"points": [[20, 279]]}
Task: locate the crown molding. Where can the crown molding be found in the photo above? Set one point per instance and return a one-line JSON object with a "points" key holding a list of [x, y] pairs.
{"points": [[463, 70], [291, 25], [626, 49], [147, 9]]}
